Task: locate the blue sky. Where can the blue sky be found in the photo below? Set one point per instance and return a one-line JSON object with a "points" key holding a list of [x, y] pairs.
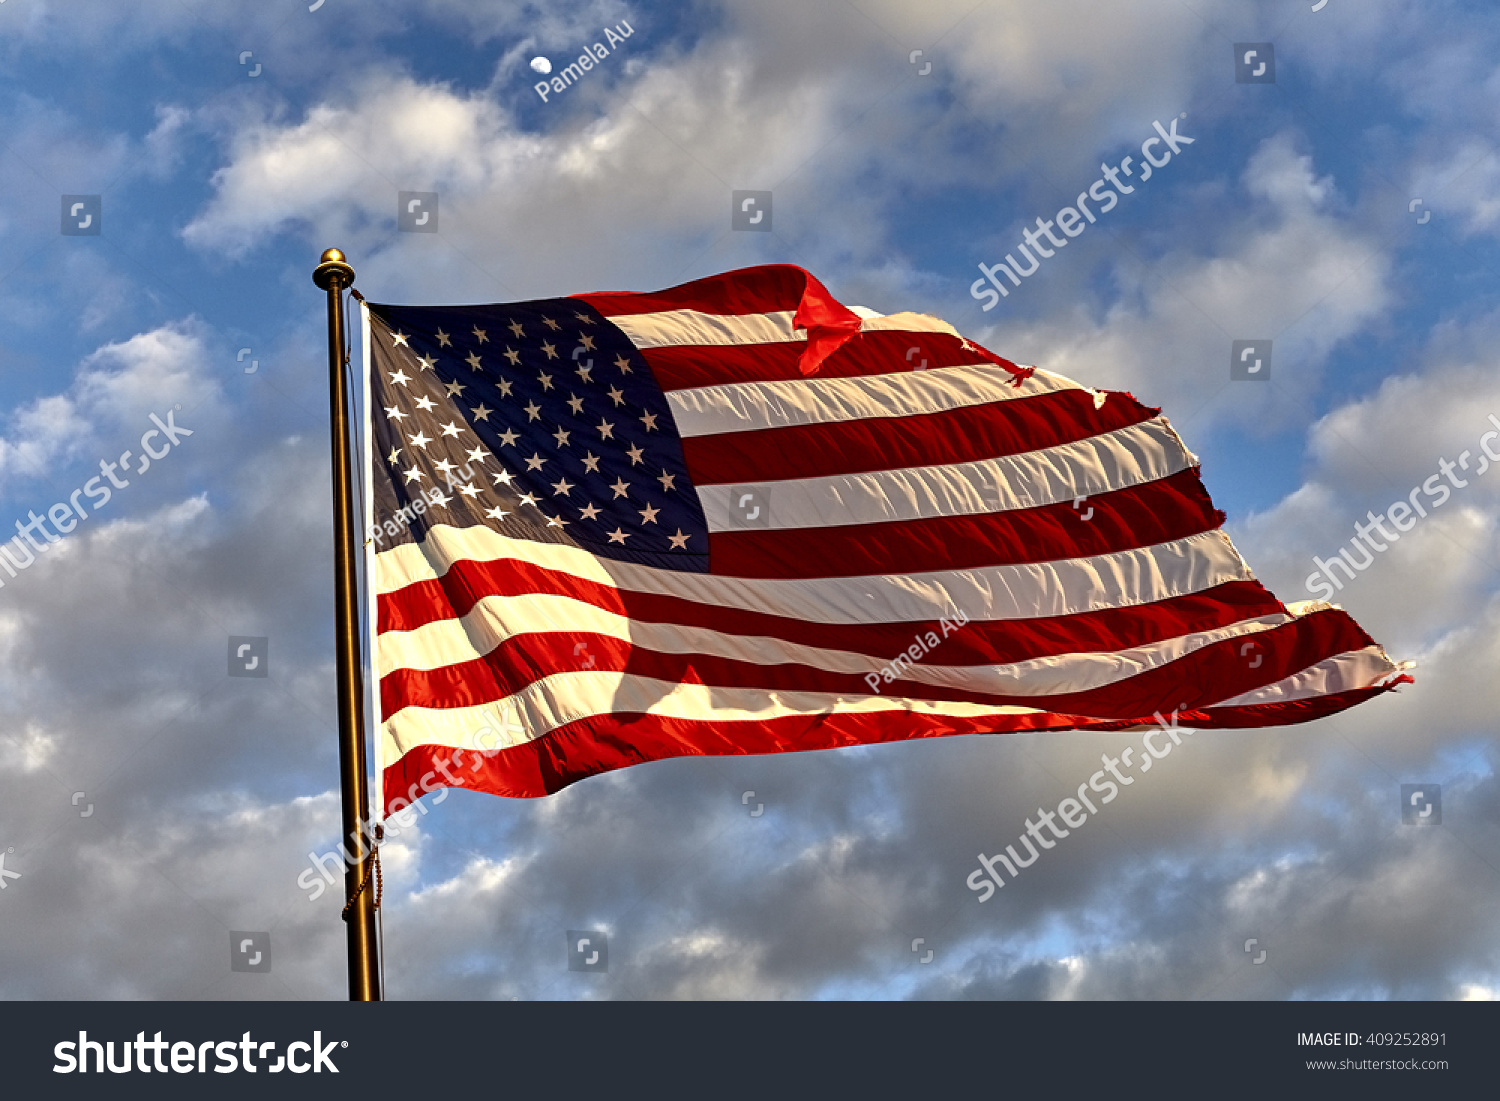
{"points": [[1287, 219]]}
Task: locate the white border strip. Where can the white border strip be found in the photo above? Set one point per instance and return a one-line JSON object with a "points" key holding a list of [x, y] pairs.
{"points": [[372, 621]]}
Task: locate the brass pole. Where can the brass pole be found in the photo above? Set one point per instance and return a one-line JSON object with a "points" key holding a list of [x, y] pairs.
{"points": [[335, 276]]}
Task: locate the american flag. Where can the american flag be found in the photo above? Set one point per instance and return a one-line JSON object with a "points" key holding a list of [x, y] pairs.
{"points": [[738, 517]]}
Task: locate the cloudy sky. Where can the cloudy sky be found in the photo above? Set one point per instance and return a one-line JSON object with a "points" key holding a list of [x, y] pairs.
{"points": [[1347, 213]]}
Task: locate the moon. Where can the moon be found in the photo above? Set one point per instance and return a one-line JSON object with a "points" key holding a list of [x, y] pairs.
{"points": [[541, 65]]}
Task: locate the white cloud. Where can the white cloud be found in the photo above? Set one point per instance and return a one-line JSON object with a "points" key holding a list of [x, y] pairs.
{"points": [[112, 396], [1293, 270]]}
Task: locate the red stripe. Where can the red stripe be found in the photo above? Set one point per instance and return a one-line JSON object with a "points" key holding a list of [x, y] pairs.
{"points": [[1218, 671], [880, 352], [466, 583], [969, 434], [589, 747], [1141, 516], [604, 743], [766, 288], [827, 322]]}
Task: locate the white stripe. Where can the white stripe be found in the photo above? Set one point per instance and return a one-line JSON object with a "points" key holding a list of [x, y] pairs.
{"points": [[665, 328], [751, 406], [1122, 579], [1340, 673], [1120, 459], [498, 618], [907, 323], [673, 327], [558, 700], [563, 698]]}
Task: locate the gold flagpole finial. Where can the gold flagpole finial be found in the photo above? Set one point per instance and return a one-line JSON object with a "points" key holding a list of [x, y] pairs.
{"points": [[333, 264]]}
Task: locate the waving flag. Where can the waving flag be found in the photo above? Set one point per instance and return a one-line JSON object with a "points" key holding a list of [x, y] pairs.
{"points": [[738, 517]]}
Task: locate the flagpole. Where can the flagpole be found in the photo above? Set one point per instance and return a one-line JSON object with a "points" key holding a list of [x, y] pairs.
{"points": [[335, 276]]}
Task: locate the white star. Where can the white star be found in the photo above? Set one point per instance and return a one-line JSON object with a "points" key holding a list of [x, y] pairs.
{"points": [[586, 373], [546, 381], [477, 455], [553, 325], [535, 462], [393, 413], [553, 521], [479, 334], [550, 349], [438, 497], [515, 327], [508, 438], [587, 341], [561, 436], [420, 440], [454, 388], [414, 474], [514, 357], [472, 360], [450, 429], [497, 513], [666, 480], [620, 488], [635, 454], [678, 541], [623, 364], [502, 479], [589, 512], [606, 430], [533, 412], [482, 412], [444, 465], [443, 341], [401, 376], [469, 490], [399, 339], [562, 488], [618, 536], [424, 403], [617, 395], [576, 404], [648, 514], [504, 385], [391, 458], [584, 318], [649, 419], [427, 362], [591, 463], [528, 499]]}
